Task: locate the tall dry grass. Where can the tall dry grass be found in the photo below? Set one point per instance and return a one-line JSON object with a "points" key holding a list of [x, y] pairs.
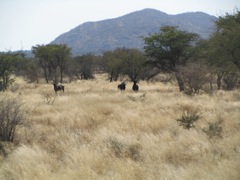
{"points": [[94, 131]]}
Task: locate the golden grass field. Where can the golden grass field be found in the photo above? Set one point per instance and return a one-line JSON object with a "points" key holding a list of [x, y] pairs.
{"points": [[93, 131]]}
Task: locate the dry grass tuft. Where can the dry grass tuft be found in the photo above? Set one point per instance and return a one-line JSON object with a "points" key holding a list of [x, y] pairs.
{"points": [[94, 131]]}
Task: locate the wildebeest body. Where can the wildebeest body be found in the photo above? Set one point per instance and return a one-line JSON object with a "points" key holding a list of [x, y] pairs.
{"points": [[122, 86], [135, 86], [58, 87]]}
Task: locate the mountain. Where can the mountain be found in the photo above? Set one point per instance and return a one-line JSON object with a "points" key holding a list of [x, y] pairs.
{"points": [[128, 30]]}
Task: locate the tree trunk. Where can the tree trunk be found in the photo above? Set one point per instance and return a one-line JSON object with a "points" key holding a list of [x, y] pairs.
{"points": [[54, 77], [219, 80], [211, 83], [61, 75], [180, 81], [45, 75]]}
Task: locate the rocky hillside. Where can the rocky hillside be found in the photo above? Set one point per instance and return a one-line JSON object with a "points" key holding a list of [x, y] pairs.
{"points": [[128, 30]]}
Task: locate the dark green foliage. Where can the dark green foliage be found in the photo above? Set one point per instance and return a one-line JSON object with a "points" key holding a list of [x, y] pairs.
{"points": [[84, 66], [113, 64], [188, 119], [231, 80], [169, 49], [27, 68], [133, 64], [32, 72], [52, 59], [7, 61], [223, 50], [228, 36], [125, 62]]}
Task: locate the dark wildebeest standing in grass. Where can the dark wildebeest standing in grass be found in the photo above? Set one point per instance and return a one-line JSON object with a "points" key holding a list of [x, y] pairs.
{"points": [[122, 86], [135, 86], [58, 87]]}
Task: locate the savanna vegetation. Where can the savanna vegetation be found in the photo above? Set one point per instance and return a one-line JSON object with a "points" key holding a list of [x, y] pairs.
{"points": [[183, 123]]}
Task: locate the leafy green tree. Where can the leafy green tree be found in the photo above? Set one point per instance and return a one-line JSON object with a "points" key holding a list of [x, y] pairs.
{"points": [[6, 69], [62, 54], [125, 62], [113, 64], [133, 64], [43, 57], [53, 59], [219, 59], [228, 36], [169, 49], [222, 50], [32, 72], [84, 66]]}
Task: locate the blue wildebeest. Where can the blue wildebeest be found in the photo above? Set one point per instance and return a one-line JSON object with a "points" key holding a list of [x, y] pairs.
{"points": [[135, 86], [122, 86], [58, 87]]}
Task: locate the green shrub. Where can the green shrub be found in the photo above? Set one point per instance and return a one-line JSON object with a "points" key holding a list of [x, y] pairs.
{"points": [[214, 129], [116, 146], [188, 119], [124, 150]]}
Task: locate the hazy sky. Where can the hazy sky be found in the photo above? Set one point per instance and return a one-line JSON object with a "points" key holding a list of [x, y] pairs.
{"points": [[26, 23]]}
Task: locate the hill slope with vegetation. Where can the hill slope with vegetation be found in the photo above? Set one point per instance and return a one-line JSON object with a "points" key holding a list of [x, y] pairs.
{"points": [[128, 30]]}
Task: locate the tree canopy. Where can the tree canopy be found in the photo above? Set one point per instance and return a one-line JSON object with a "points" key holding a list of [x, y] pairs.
{"points": [[7, 61], [169, 49], [125, 62], [226, 39], [50, 58]]}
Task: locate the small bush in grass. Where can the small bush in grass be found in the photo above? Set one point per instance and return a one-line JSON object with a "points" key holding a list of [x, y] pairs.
{"points": [[188, 118], [116, 146], [123, 150], [11, 116], [214, 129], [133, 151]]}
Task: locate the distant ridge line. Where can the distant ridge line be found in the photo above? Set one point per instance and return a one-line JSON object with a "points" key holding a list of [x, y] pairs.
{"points": [[125, 31]]}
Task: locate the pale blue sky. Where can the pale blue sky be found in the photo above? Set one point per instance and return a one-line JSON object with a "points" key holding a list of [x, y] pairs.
{"points": [[26, 23]]}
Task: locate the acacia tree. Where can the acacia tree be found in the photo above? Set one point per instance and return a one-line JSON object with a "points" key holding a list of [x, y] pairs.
{"points": [[113, 64], [228, 36], [125, 62], [51, 57], [133, 64], [218, 59], [62, 53], [6, 69], [224, 50], [84, 66], [169, 49], [43, 57], [32, 71]]}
